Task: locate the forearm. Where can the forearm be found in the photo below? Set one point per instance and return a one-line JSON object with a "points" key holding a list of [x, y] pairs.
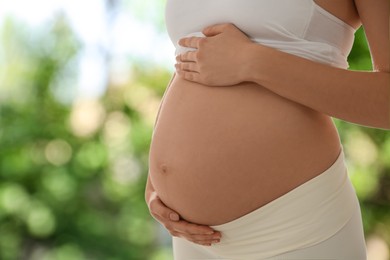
{"points": [[354, 96]]}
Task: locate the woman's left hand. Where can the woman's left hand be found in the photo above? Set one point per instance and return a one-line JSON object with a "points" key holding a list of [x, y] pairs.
{"points": [[220, 58]]}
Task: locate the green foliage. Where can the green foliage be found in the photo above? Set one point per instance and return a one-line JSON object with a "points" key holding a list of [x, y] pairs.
{"points": [[72, 174], [368, 157], [359, 57]]}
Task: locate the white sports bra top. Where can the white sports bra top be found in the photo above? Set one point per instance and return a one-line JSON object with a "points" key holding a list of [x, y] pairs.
{"points": [[298, 27]]}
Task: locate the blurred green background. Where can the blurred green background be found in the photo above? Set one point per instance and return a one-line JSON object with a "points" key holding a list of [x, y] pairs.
{"points": [[73, 166]]}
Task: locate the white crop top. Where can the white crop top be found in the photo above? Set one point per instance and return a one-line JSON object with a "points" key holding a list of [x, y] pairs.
{"points": [[298, 27]]}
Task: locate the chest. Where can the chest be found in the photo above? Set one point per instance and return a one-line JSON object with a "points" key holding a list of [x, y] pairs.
{"points": [[256, 18]]}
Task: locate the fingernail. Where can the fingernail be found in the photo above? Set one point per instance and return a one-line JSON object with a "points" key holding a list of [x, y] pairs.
{"points": [[216, 241], [180, 42], [174, 217], [209, 232]]}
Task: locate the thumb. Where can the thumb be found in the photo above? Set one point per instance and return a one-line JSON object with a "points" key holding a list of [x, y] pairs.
{"points": [[174, 216], [214, 30]]}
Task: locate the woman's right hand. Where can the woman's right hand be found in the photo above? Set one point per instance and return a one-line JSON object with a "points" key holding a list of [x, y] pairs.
{"points": [[199, 234]]}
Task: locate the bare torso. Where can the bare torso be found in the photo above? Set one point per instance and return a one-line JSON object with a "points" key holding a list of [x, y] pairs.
{"points": [[218, 153]]}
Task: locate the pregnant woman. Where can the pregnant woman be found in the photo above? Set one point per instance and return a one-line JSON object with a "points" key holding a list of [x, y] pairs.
{"points": [[245, 160]]}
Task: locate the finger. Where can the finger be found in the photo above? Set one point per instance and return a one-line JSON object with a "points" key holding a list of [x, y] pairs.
{"points": [[162, 212], [187, 66], [187, 56], [198, 238], [216, 29], [174, 216], [191, 42], [185, 227], [206, 243], [191, 76]]}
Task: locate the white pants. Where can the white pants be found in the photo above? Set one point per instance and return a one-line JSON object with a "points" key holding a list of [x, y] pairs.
{"points": [[347, 244], [319, 219]]}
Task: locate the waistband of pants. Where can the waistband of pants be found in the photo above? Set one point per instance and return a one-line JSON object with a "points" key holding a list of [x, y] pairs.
{"points": [[305, 216]]}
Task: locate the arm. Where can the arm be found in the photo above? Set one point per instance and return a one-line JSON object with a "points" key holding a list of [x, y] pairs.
{"points": [[355, 96]]}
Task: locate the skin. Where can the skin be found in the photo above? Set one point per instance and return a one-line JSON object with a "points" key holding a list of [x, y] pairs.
{"points": [[345, 90], [339, 93]]}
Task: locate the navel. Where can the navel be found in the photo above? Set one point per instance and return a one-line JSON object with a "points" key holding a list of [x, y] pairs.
{"points": [[164, 168]]}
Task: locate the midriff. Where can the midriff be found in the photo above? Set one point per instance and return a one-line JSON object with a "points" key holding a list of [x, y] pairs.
{"points": [[218, 153]]}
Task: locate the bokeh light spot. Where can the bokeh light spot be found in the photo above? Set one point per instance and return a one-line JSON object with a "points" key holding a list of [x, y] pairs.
{"points": [[13, 198], [60, 185], [377, 248], [58, 152], [144, 100], [116, 129], [41, 221], [361, 149], [127, 170], [86, 117], [364, 181]]}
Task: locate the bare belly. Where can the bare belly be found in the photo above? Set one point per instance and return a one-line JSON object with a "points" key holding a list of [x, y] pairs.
{"points": [[218, 153]]}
